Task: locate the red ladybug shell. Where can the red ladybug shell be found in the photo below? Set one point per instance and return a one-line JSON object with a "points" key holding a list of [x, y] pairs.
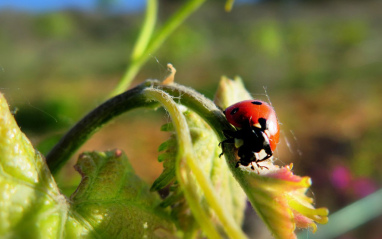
{"points": [[252, 110]]}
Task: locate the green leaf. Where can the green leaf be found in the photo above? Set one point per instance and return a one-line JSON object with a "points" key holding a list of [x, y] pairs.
{"points": [[151, 43], [114, 201], [111, 201], [168, 159], [31, 204]]}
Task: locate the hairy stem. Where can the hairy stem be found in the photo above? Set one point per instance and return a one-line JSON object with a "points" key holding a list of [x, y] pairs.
{"points": [[93, 121], [124, 102]]}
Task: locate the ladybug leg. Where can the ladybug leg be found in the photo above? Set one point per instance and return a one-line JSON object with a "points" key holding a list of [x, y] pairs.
{"points": [[266, 147], [260, 166], [230, 135], [227, 141], [253, 168], [268, 151], [222, 144], [263, 159]]}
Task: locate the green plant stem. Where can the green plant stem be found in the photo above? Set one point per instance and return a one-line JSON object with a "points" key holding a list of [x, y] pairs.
{"points": [[147, 29], [141, 56], [92, 122], [129, 100], [228, 5], [173, 23]]}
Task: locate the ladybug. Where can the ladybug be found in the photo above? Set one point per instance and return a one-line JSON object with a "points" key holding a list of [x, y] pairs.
{"points": [[257, 131]]}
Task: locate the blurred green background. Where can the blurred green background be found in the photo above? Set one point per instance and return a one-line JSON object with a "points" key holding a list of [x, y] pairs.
{"points": [[319, 61]]}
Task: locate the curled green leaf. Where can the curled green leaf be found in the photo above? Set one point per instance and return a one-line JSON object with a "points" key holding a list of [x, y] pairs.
{"points": [[205, 145], [191, 177]]}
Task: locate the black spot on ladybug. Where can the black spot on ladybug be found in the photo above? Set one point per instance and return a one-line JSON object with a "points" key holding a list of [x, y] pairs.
{"points": [[234, 111], [223, 111], [256, 102], [263, 123]]}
